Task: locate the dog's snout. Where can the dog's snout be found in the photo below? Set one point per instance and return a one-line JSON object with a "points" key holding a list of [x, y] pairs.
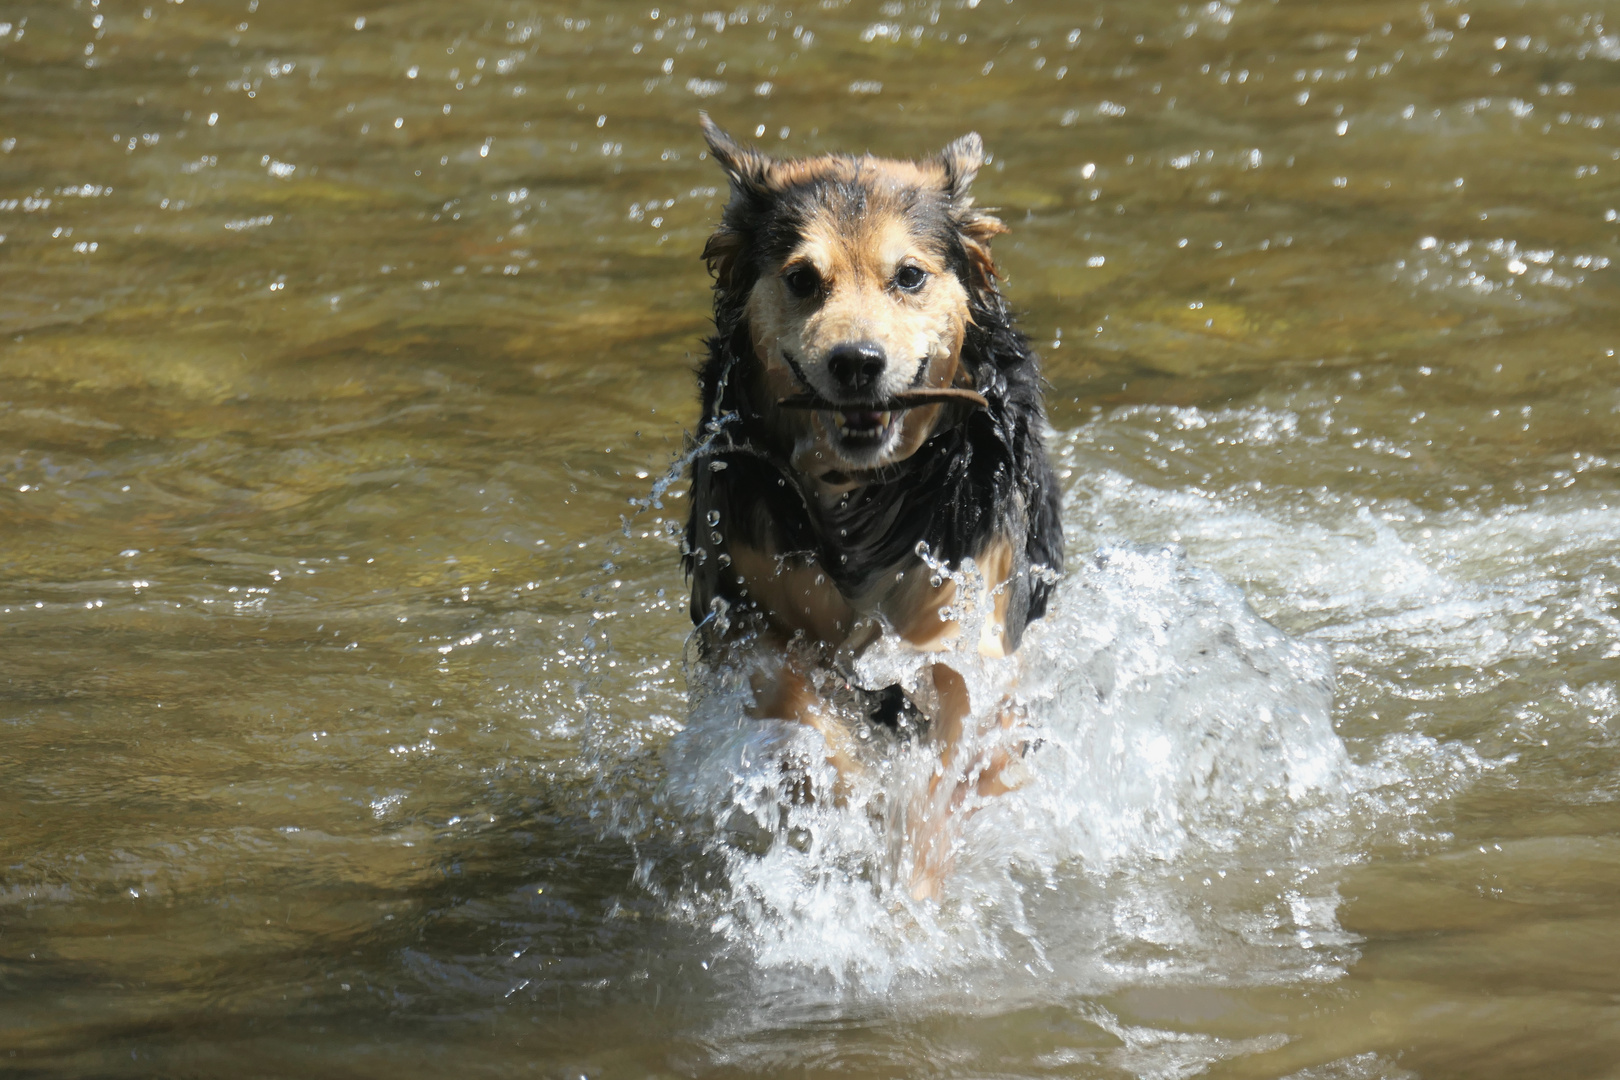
{"points": [[856, 366]]}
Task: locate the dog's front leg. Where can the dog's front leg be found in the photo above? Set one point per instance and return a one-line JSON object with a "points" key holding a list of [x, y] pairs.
{"points": [[930, 828], [934, 821], [787, 692]]}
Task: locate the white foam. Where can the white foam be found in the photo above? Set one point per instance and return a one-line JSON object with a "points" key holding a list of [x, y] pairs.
{"points": [[1171, 726]]}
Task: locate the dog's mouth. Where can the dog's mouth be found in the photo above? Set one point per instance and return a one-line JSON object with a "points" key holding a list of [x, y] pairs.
{"points": [[862, 428], [914, 398], [865, 428]]}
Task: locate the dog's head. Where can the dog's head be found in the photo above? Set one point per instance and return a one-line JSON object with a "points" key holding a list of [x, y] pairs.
{"points": [[856, 278]]}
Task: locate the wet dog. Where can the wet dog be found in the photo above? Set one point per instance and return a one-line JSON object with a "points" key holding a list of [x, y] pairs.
{"points": [[871, 422]]}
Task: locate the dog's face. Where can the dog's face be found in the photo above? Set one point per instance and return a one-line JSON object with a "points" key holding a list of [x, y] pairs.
{"points": [[854, 276]]}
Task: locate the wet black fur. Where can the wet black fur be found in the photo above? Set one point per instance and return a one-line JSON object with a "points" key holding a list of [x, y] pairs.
{"points": [[984, 471]]}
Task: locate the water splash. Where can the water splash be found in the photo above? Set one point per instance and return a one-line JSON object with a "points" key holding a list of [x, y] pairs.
{"points": [[694, 452], [1164, 724]]}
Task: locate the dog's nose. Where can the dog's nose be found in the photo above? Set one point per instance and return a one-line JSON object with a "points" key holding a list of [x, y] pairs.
{"points": [[856, 366]]}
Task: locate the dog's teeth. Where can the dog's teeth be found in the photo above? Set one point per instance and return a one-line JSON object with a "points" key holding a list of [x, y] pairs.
{"points": [[883, 419]]}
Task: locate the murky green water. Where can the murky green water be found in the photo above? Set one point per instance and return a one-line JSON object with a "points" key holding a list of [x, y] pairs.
{"points": [[336, 340]]}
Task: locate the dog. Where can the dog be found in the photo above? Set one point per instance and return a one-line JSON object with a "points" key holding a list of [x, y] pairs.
{"points": [[871, 419]]}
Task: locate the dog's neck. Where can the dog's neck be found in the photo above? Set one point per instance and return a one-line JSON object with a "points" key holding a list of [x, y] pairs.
{"points": [[829, 486], [832, 483]]}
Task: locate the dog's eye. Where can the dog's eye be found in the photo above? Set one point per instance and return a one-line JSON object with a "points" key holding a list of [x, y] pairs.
{"points": [[802, 282], [910, 278]]}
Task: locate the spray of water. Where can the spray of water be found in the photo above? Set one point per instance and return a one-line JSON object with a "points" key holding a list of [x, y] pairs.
{"points": [[1161, 723]]}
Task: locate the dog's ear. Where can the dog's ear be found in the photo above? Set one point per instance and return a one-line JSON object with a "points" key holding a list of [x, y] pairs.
{"points": [[748, 172], [962, 161], [746, 168]]}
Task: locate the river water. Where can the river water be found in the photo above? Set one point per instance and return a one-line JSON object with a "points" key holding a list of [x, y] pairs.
{"points": [[344, 718]]}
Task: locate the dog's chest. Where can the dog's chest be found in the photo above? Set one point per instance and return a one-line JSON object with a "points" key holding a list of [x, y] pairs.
{"points": [[798, 596]]}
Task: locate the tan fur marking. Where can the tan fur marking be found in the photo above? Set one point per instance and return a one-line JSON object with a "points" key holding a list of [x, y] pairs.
{"points": [[796, 598], [788, 694], [876, 171], [996, 564], [915, 613], [803, 599]]}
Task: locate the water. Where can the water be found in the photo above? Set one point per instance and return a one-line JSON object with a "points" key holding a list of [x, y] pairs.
{"points": [[344, 697]]}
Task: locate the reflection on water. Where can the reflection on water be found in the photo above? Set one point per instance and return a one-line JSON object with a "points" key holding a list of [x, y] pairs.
{"points": [[343, 694]]}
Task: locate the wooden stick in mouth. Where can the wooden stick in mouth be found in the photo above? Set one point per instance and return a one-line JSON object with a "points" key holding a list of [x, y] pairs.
{"points": [[906, 399]]}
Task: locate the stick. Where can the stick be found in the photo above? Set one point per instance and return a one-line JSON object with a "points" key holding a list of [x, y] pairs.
{"points": [[906, 399]]}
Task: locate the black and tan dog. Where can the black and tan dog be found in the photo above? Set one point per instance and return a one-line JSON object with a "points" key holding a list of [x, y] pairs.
{"points": [[871, 417]]}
